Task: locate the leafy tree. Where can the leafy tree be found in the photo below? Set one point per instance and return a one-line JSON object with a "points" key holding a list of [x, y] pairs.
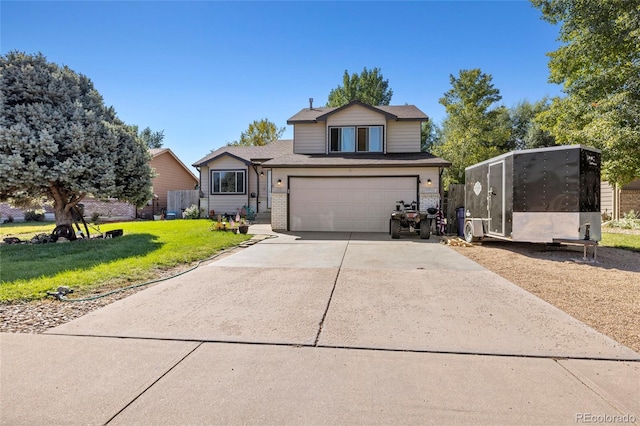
{"points": [[430, 135], [368, 87], [150, 138], [526, 133], [58, 141], [259, 133], [537, 137], [598, 65], [474, 129]]}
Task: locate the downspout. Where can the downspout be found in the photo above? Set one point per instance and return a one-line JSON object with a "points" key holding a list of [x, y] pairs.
{"points": [[255, 169], [440, 186], [200, 189]]}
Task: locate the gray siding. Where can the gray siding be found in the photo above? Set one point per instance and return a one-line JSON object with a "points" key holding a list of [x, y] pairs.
{"points": [[309, 138], [400, 136], [403, 136], [356, 115], [230, 203], [227, 204], [606, 198], [204, 180]]}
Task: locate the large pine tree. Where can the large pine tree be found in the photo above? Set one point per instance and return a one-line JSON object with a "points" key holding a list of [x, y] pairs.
{"points": [[59, 142]]}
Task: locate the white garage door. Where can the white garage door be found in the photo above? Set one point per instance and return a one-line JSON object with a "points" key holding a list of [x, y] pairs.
{"points": [[352, 204]]}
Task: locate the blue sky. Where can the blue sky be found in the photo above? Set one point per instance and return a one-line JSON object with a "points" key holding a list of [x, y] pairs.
{"points": [[202, 71]]}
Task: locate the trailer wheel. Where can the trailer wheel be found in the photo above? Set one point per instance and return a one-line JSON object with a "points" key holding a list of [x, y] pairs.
{"points": [[468, 233], [395, 229], [425, 229]]}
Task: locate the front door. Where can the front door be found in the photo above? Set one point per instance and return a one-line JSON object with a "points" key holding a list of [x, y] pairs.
{"points": [[496, 198]]}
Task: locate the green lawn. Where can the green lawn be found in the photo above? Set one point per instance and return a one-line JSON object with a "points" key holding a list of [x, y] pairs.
{"points": [[147, 248], [624, 241]]}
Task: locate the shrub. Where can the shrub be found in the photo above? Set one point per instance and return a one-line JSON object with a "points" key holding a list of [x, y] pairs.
{"points": [[630, 220], [219, 226], [33, 216], [192, 212], [94, 217]]}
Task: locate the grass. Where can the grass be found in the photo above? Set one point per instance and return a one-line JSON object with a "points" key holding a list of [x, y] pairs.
{"points": [[28, 271], [624, 241]]}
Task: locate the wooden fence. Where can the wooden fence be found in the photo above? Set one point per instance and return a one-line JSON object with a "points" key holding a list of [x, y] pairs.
{"points": [[454, 199], [178, 201]]}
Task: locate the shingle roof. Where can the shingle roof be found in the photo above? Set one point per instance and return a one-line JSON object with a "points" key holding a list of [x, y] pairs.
{"points": [[404, 112], [393, 112], [358, 160], [251, 153]]}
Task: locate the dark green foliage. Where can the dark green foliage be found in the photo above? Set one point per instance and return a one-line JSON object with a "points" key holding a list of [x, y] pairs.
{"points": [[475, 128], [368, 87], [598, 65], [32, 216]]}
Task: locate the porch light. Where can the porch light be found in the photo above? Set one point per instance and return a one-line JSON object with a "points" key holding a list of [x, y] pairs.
{"points": [[261, 174], [279, 182], [429, 182]]}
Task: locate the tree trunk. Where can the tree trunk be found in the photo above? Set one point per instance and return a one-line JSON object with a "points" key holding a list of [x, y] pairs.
{"points": [[64, 203], [64, 216]]}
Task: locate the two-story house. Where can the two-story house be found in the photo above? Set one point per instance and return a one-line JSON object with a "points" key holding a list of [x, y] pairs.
{"points": [[344, 170]]}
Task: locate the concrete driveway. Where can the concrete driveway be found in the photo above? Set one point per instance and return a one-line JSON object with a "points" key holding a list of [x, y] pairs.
{"points": [[318, 329]]}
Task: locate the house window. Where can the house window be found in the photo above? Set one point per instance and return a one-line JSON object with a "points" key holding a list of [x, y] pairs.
{"points": [[343, 139], [228, 182], [370, 139], [352, 139]]}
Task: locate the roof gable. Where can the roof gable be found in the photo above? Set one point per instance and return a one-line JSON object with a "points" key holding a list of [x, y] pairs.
{"points": [[391, 112], [228, 154], [156, 152], [250, 154], [388, 115]]}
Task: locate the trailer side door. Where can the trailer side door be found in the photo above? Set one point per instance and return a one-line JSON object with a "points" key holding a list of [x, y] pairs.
{"points": [[496, 199]]}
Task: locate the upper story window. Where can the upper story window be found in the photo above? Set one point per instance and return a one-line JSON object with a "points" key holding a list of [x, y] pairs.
{"points": [[228, 182], [355, 139]]}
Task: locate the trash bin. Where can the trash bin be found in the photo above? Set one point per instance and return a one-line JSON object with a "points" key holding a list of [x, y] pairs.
{"points": [[460, 221]]}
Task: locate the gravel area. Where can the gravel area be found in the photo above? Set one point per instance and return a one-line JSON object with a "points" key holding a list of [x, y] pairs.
{"points": [[38, 316], [41, 315], [604, 295]]}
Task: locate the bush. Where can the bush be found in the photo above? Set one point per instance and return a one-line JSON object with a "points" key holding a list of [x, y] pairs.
{"points": [[9, 219], [94, 217], [32, 216], [630, 220], [192, 212]]}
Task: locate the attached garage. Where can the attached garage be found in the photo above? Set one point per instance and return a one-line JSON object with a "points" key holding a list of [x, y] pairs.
{"points": [[351, 204]]}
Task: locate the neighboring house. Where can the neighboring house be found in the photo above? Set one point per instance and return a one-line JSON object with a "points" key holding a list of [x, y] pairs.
{"points": [[171, 174], [345, 170], [616, 201], [10, 213]]}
